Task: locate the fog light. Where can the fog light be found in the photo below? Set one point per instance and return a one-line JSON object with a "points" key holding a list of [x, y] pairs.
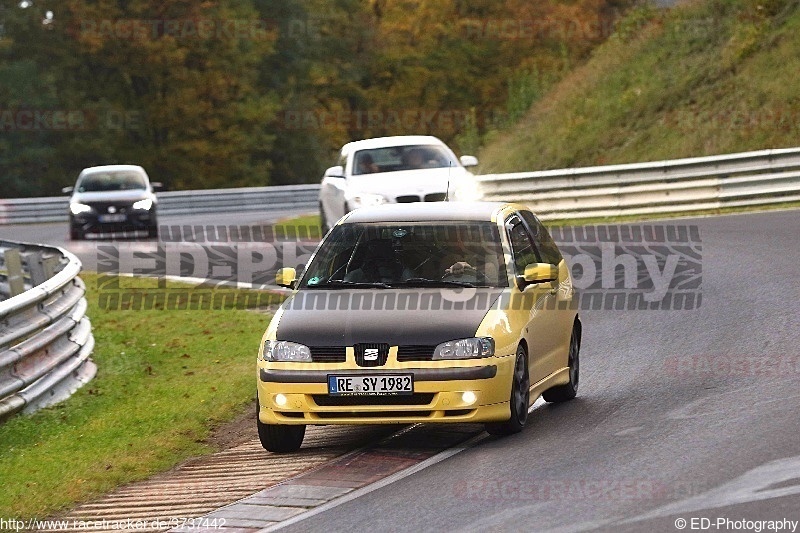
{"points": [[281, 400], [468, 397]]}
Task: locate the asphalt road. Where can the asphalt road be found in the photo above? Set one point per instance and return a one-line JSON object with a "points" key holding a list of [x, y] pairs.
{"points": [[680, 415]]}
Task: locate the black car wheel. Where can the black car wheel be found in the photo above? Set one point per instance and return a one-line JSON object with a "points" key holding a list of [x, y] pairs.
{"points": [[279, 438], [564, 393], [520, 399], [322, 222]]}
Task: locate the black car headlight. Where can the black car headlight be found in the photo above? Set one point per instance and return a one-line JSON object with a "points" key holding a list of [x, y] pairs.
{"points": [[286, 351], [472, 348]]}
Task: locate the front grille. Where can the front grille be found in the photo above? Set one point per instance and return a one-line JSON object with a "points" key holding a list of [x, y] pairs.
{"points": [[415, 353], [366, 354], [375, 414], [408, 199], [435, 197], [102, 207], [328, 354], [418, 398]]}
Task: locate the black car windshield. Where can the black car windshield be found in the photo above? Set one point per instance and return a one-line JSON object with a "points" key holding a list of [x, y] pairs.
{"points": [[396, 158], [396, 255], [111, 181]]}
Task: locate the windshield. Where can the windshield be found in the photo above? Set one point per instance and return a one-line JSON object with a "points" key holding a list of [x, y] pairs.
{"points": [[373, 255], [124, 180], [396, 158]]}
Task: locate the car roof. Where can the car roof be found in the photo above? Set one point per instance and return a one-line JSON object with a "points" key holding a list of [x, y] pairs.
{"points": [[430, 211], [398, 140], [112, 168]]}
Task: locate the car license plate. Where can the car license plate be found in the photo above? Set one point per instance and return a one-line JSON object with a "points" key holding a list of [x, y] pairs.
{"points": [[375, 384], [119, 217]]}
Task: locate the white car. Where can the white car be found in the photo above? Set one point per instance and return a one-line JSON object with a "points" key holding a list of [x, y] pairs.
{"points": [[388, 170]]}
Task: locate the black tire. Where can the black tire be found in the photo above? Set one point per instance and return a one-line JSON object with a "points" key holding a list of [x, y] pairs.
{"points": [[564, 393], [520, 399], [323, 224], [278, 438], [152, 232], [75, 234]]}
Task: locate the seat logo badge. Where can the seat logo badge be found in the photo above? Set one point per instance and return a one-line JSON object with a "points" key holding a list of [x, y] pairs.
{"points": [[112, 209], [370, 354]]}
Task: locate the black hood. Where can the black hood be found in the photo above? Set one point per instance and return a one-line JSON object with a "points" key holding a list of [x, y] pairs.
{"points": [[397, 317]]}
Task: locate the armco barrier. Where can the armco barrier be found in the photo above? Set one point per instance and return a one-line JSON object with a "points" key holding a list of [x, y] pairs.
{"points": [[696, 184], [266, 199], [45, 337], [703, 183]]}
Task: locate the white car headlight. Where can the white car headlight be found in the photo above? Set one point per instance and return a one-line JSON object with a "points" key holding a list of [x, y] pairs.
{"points": [[145, 204], [286, 351], [77, 209], [366, 200], [468, 191], [465, 349]]}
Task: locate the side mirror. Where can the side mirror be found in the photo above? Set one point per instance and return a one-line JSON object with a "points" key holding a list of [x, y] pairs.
{"points": [[335, 172], [286, 277], [157, 186], [468, 161], [68, 190], [540, 273]]}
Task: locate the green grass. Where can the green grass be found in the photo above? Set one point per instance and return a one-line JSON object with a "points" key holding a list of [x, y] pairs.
{"points": [[302, 223], [707, 77], [165, 379]]}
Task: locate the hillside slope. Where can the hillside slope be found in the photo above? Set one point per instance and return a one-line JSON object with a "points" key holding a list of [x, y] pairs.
{"points": [[707, 77]]}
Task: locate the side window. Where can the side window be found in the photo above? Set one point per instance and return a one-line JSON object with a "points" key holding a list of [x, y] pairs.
{"points": [[541, 239], [522, 247]]}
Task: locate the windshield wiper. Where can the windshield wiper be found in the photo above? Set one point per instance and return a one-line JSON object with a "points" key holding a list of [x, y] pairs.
{"points": [[425, 282], [342, 284]]}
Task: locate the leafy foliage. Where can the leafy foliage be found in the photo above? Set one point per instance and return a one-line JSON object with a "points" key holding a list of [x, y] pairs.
{"points": [[246, 92]]}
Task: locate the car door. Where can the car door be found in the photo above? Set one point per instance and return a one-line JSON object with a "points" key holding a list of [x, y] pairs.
{"points": [[562, 315], [534, 300]]}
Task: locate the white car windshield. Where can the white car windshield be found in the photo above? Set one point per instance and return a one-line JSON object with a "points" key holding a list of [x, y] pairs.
{"points": [[111, 181], [394, 158], [409, 255]]}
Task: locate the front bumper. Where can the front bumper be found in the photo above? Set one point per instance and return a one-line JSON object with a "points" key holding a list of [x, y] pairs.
{"points": [[135, 221], [438, 391]]}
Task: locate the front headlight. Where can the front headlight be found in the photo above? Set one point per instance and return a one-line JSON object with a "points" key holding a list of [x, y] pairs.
{"points": [[145, 204], [366, 200], [468, 191], [286, 351], [465, 349], [77, 209]]}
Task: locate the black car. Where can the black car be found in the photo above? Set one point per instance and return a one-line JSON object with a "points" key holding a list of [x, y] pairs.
{"points": [[113, 199]]}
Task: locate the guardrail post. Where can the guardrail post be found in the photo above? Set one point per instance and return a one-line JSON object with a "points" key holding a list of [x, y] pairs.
{"points": [[16, 281], [41, 268]]}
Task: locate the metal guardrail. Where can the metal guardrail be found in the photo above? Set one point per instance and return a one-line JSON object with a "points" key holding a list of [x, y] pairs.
{"points": [[696, 184], [45, 337], [277, 198]]}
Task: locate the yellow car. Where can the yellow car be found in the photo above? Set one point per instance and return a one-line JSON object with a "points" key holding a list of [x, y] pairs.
{"points": [[426, 312]]}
